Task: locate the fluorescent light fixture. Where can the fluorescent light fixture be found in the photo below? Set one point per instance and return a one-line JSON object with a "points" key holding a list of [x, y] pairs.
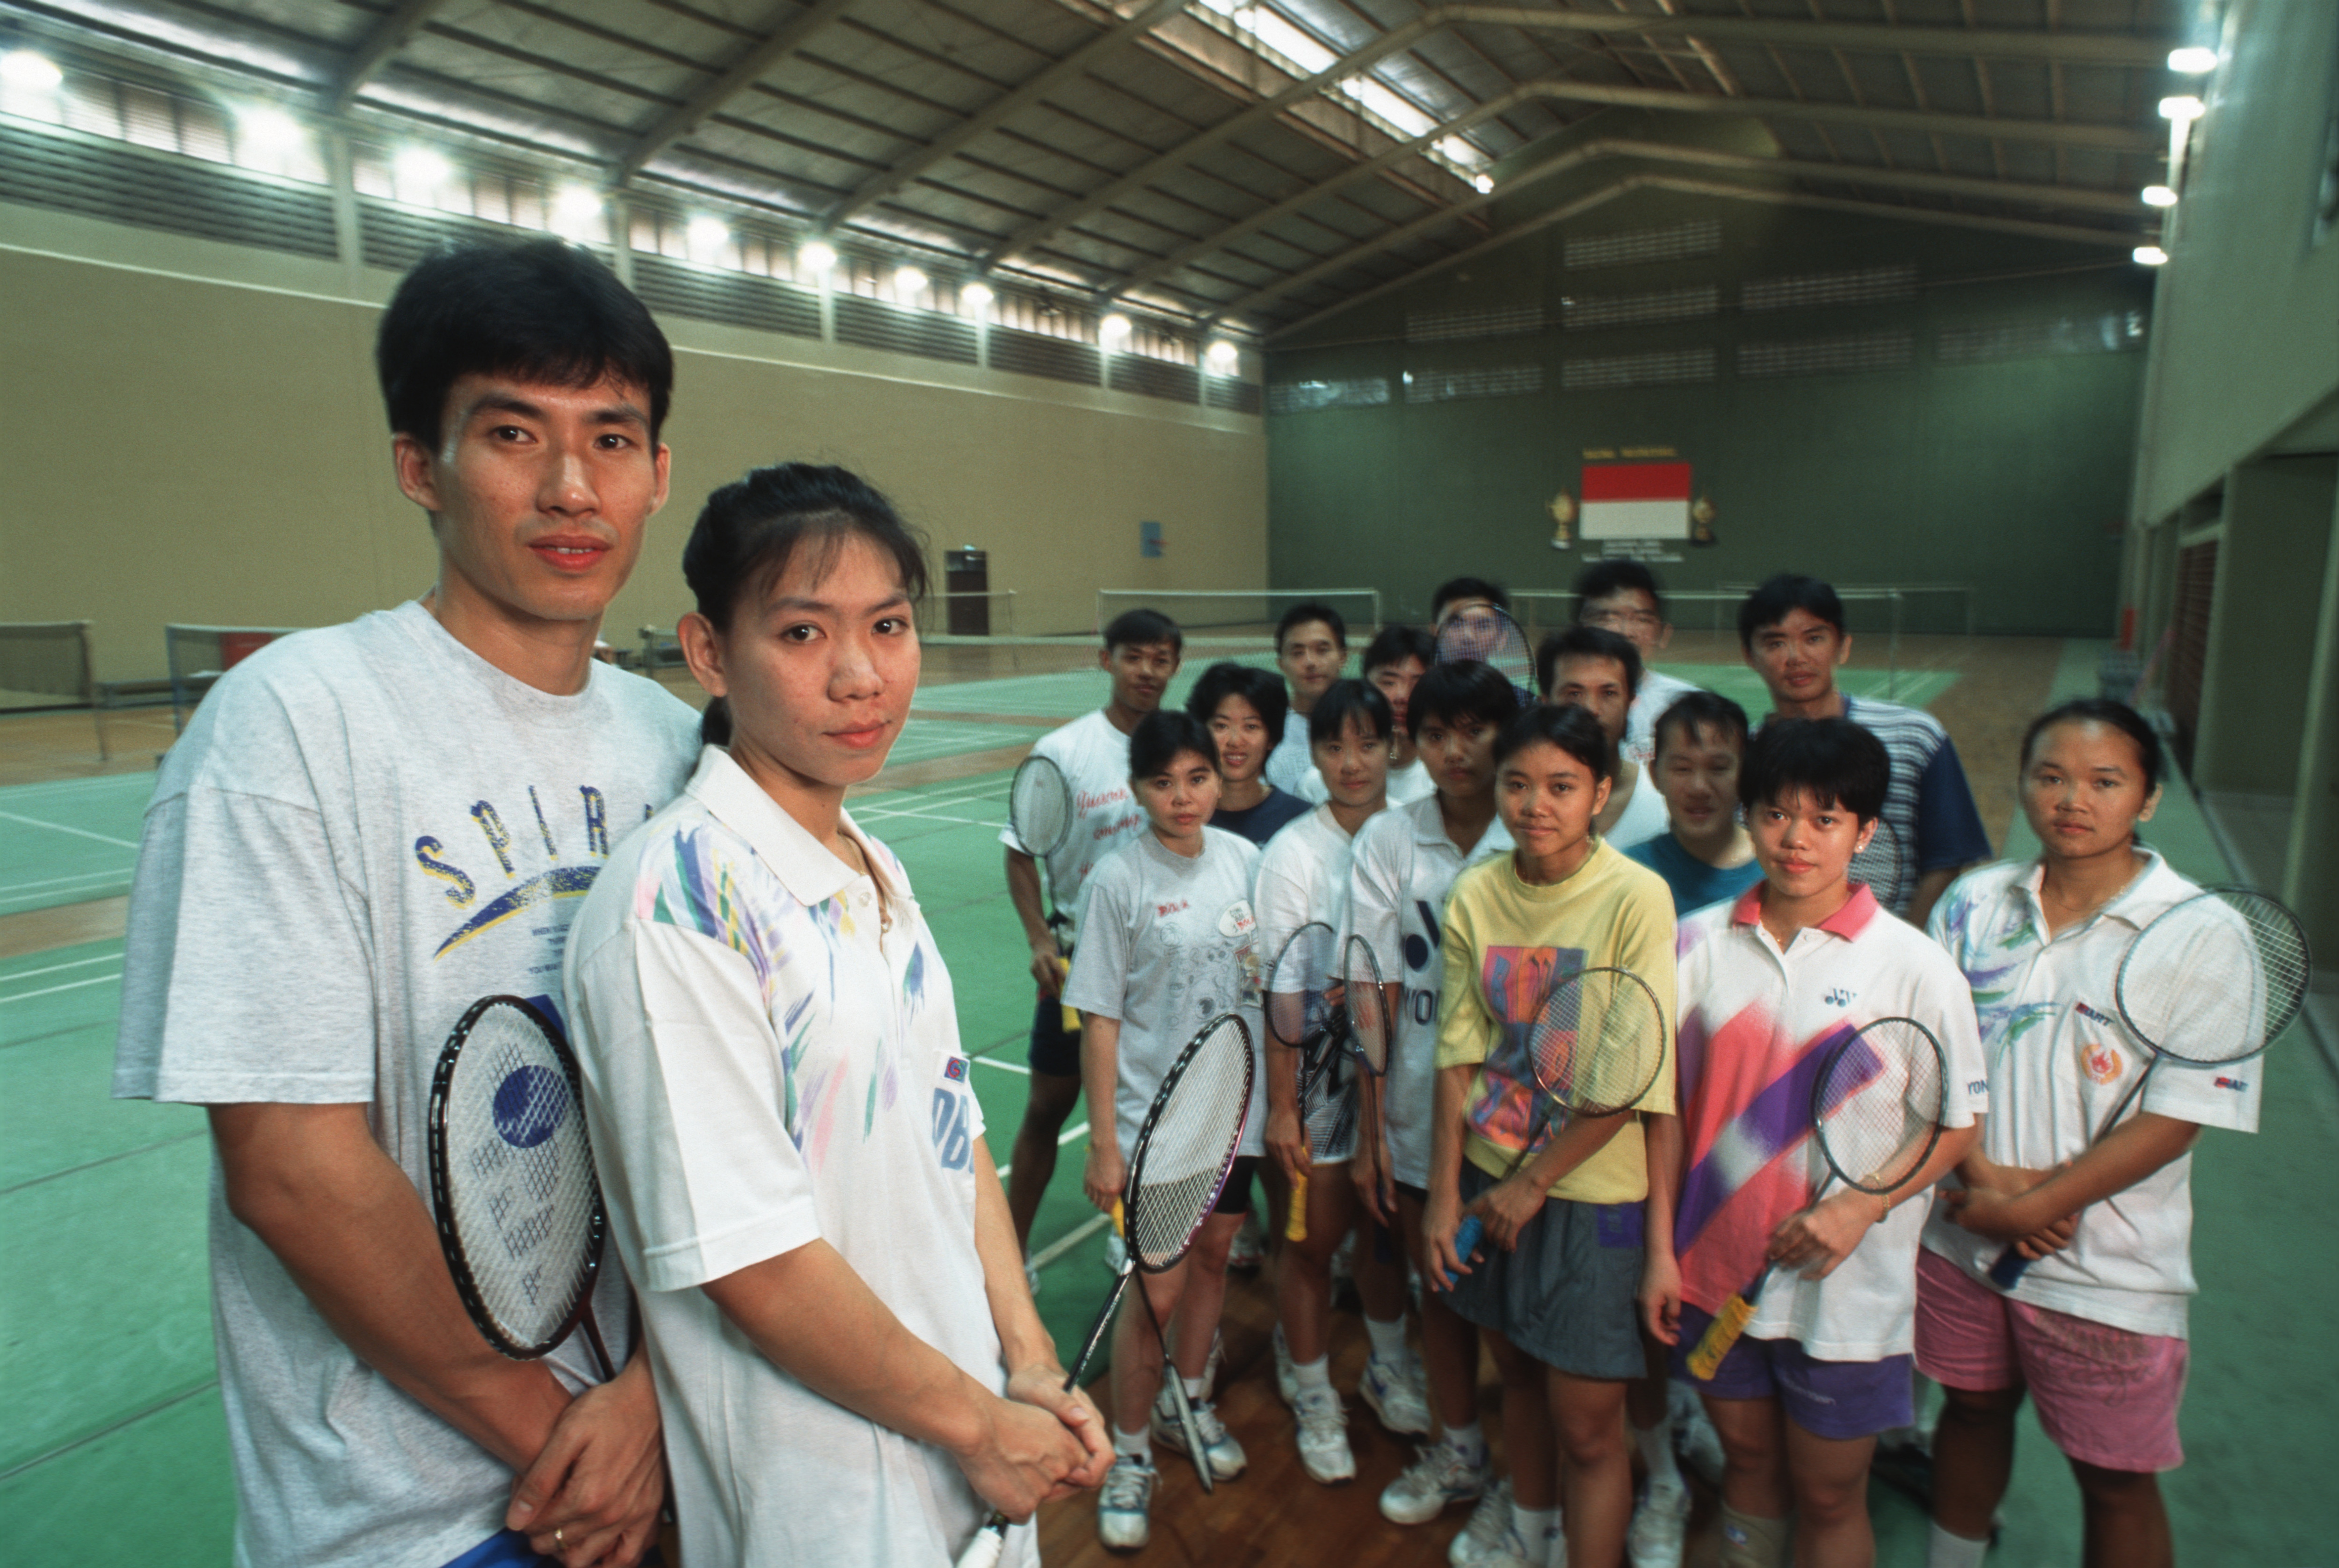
{"points": [[418, 170], [2183, 107], [28, 69], [1224, 356], [266, 129], [1482, 184], [2195, 61], [2149, 256], [977, 295], [817, 257], [575, 209], [2159, 196], [909, 282], [704, 236], [1114, 328]]}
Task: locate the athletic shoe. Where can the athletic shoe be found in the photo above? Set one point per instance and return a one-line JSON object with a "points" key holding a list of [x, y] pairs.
{"points": [[1226, 1455], [1124, 1504], [1115, 1252], [1654, 1540], [1324, 1436], [1695, 1440], [1512, 1552], [1439, 1477], [1489, 1522], [1249, 1249], [1398, 1394], [1286, 1382]]}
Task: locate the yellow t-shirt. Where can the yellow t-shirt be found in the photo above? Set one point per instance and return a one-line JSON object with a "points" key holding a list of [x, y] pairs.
{"points": [[1505, 942]]}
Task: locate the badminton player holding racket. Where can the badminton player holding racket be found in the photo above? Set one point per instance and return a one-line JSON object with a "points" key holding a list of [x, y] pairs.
{"points": [[1772, 986], [1140, 654], [2107, 1215], [366, 829], [793, 1157], [1167, 943], [1553, 1281]]}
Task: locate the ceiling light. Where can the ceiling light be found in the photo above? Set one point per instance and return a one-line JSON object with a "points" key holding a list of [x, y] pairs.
{"points": [[1485, 183], [977, 295], [2183, 107], [575, 209], [263, 129], [704, 236], [909, 282], [418, 170], [1224, 356], [2149, 256], [26, 69], [2159, 196], [1114, 328], [817, 257], [2194, 61]]}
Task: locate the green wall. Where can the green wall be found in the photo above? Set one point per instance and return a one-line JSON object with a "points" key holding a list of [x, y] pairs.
{"points": [[2011, 474]]}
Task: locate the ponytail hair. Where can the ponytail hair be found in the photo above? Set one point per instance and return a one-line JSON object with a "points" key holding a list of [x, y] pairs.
{"points": [[748, 532]]}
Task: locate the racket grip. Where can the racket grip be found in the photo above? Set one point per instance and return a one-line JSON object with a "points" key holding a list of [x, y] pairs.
{"points": [[2007, 1269], [1466, 1236], [1119, 1220], [1295, 1224], [989, 1543], [1071, 1013], [1720, 1335]]}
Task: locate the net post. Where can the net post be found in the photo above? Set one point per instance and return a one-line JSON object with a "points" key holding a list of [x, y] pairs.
{"points": [[89, 690], [1892, 658]]}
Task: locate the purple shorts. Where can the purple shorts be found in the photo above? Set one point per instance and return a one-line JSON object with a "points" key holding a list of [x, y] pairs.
{"points": [[1838, 1400]]}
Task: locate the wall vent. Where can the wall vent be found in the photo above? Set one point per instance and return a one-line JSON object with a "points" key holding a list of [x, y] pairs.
{"points": [[182, 195], [1673, 242], [1235, 395], [1844, 355], [1306, 397], [1153, 377], [1861, 286], [1448, 386], [874, 324], [1032, 354], [733, 299], [1667, 368], [1579, 311], [1447, 326]]}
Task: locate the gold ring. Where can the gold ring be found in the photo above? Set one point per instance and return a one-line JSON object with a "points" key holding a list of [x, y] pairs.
{"points": [[557, 1543]]}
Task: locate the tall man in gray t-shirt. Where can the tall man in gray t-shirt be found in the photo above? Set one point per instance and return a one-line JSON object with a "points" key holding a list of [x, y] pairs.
{"points": [[364, 829]]}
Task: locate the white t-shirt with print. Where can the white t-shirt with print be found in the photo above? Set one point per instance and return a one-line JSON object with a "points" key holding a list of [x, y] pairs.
{"points": [[771, 1058], [1658, 692], [1094, 759], [365, 829], [1168, 941], [1401, 868], [1303, 877], [1406, 785], [2059, 1061], [1757, 1025], [1292, 763]]}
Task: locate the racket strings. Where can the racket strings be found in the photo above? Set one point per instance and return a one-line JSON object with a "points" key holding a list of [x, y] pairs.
{"points": [[1040, 805], [2215, 979], [1877, 1104], [1597, 1043], [1880, 865], [1366, 999], [1298, 1011], [1183, 1156], [1491, 638]]}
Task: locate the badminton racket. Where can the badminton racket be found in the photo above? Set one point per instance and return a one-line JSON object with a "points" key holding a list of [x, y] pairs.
{"points": [[1883, 866], [1876, 1117], [1301, 1017], [1039, 809], [1489, 635], [2208, 982]]}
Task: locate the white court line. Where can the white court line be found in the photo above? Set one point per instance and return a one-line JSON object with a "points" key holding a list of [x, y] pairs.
{"points": [[10, 890], [104, 978], [1070, 1239], [1068, 1135], [986, 1062], [77, 832], [82, 963]]}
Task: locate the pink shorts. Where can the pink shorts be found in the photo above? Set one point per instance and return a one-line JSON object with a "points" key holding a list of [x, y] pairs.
{"points": [[2108, 1396]]}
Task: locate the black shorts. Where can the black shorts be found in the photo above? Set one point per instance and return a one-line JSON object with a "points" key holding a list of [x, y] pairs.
{"points": [[1055, 1050], [1418, 1194], [1234, 1197]]}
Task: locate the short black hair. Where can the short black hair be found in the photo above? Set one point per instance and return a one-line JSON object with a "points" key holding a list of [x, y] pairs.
{"points": [[2118, 714], [1344, 700], [1781, 596], [1393, 645], [1466, 689], [1694, 710], [1572, 729], [1834, 761], [1262, 689], [1161, 735], [1587, 643], [1307, 610], [542, 310], [1454, 589], [1142, 628], [1606, 578]]}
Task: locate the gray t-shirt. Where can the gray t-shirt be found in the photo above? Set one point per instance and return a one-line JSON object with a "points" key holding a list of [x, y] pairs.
{"points": [[365, 829]]}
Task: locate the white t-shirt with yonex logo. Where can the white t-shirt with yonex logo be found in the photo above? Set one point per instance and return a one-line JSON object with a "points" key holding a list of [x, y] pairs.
{"points": [[1401, 867], [365, 829], [1168, 943], [1303, 877], [2060, 1059], [1094, 759]]}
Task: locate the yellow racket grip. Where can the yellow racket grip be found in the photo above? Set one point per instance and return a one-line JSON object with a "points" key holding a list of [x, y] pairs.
{"points": [[1720, 1335], [1295, 1224], [1071, 1013], [1120, 1221]]}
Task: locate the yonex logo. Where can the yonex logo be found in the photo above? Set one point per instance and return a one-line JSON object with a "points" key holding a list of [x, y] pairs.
{"points": [[2235, 1084], [530, 1103], [1841, 997], [1978, 1086], [2084, 1011]]}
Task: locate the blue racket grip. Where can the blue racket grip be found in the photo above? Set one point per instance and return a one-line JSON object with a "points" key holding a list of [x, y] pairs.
{"points": [[1466, 1236], [2007, 1269]]}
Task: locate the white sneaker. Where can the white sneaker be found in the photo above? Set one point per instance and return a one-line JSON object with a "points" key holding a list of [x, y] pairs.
{"points": [[1439, 1477], [1124, 1503], [1286, 1382], [1398, 1394], [1489, 1522], [1115, 1252], [1324, 1436], [1654, 1540], [1512, 1552], [1226, 1455], [1249, 1249], [1697, 1443]]}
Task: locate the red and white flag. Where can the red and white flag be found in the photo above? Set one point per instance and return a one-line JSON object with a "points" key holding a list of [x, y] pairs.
{"points": [[1635, 501]]}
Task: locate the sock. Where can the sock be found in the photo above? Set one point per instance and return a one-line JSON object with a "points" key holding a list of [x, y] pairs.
{"points": [[1137, 1444], [1533, 1524], [1316, 1374], [1748, 1542], [1389, 1340], [1656, 1446], [1470, 1442], [1948, 1550], [1196, 1387]]}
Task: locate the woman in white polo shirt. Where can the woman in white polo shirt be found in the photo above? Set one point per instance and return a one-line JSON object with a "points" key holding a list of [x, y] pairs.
{"points": [[2094, 1333], [848, 1360]]}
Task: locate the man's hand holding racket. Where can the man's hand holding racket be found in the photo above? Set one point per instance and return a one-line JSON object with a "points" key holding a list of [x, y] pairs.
{"points": [[1024, 1454], [1816, 1240], [1105, 1173], [592, 1496], [1041, 1383]]}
